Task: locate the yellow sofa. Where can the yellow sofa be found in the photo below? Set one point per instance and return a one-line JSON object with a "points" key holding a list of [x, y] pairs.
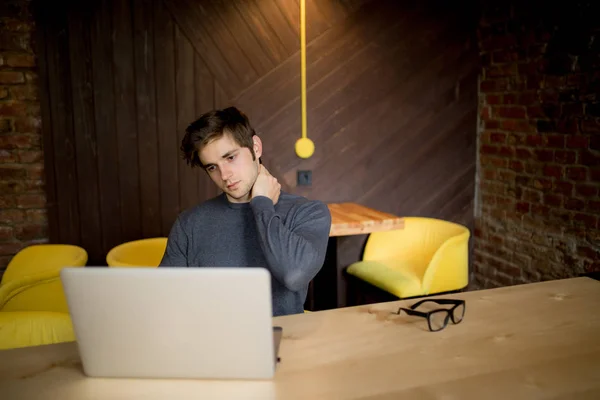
{"points": [[428, 256]]}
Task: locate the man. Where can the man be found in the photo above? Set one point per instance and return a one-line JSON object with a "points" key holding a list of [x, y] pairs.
{"points": [[252, 223]]}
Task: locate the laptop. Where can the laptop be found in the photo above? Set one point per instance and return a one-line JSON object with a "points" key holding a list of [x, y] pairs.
{"points": [[207, 323]]}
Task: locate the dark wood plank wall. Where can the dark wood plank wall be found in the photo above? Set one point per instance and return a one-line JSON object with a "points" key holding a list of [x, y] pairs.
{"points": [[392, 105]]}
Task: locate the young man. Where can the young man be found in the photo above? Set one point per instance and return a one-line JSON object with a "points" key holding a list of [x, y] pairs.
{"points": [[252, 223]]}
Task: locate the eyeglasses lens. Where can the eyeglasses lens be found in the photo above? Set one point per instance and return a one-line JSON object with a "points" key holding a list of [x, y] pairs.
{"points": [[438, 320], [459, 313]]}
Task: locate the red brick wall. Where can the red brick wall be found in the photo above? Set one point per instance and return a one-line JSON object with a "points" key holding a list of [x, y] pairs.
{"points": [[22, 199], [538, 205]]}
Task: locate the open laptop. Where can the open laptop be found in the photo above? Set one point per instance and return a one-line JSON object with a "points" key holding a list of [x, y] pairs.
{"points": [[213, 323]]}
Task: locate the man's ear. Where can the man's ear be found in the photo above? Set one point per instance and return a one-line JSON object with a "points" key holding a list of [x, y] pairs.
{"points": [[257, 146]]}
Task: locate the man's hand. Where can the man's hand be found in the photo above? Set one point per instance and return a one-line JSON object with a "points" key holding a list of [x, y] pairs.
{"points": [[266, 185]]}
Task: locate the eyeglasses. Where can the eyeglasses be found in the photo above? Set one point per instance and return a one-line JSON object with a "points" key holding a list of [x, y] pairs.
{"points": [[438, 319]]}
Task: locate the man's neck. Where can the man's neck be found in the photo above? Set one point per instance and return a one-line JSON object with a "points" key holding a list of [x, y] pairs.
{"points": [[245, 199]]}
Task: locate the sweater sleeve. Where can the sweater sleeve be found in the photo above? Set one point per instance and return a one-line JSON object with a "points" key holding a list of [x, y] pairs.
{"points": [[177, 245], [294, 253]]}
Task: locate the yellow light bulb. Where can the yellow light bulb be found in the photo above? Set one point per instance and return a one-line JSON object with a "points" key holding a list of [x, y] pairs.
{"points": [[305, 147]]}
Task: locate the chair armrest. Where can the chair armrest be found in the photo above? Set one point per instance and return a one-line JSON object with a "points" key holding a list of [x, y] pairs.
{"points": [[449, 266], [39, 292]]}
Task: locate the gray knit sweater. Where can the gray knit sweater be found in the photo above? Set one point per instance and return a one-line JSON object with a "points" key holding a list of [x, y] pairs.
{"points": [[289, 239]]}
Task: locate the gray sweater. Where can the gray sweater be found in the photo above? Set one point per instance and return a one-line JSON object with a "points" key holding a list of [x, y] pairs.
{"points": [[289, 239]]}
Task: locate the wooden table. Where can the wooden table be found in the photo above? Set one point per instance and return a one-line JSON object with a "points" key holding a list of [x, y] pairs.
{"points": [[536, 341], [350, 223], [355, 219]]}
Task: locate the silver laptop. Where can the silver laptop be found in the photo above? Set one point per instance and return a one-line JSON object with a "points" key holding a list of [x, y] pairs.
{"points": [[213, 323]]}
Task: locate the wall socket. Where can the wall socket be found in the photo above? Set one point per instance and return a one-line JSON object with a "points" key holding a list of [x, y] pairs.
{"points": [[304, 178]]}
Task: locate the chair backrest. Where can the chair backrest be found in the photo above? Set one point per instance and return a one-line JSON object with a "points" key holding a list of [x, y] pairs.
{"points": [[420, 238], [449, 266], [138, 253], [39, 258]]}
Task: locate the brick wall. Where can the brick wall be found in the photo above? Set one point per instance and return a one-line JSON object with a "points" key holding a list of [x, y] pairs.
{"points": [[22, 199], [538, 205]]}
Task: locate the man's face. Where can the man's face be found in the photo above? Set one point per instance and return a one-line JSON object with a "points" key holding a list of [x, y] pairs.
{"points": [[231, 166]]}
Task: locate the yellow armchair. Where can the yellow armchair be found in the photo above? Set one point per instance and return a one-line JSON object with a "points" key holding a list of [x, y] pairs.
{"points": [[138, 253], [428, 256]]}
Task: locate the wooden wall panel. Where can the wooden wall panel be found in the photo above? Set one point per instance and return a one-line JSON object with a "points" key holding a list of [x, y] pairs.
{"points": [[84, 128], [324, 56], [246, 41], [43, 60], [145, 98], [65, 204], [166, 116], [280, 28], [186, 111], [392, 105], [109, 193], [205, 99], [187, 16], [126, 120], [262, 30]]}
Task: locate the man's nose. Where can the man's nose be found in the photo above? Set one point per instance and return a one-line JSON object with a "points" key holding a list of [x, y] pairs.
{"points": [[225, 174]]}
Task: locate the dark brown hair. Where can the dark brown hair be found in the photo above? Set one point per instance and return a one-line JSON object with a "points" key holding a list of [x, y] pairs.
{"points": [[213, 125]]}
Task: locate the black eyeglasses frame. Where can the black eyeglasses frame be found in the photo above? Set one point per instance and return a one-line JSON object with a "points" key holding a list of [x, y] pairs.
{"points": [[450, 315]]}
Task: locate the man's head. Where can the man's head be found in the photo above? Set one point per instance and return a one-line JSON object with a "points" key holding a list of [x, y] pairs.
{"points": [[226, 146]]}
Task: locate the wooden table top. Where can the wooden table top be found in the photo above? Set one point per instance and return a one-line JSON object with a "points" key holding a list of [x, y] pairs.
{"points": [[356, 219], [521, 342]]}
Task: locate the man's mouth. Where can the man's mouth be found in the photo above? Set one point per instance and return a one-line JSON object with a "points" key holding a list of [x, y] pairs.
{"points": [[233, 185]]}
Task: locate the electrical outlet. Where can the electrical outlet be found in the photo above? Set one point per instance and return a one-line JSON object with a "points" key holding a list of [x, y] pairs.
{"points": [[304, 178]]}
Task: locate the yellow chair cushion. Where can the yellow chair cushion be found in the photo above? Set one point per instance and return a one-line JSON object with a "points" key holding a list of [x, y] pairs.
{"points": [[394, 276], [34, 328]]}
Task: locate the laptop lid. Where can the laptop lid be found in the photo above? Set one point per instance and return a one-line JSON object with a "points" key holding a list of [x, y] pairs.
{"points": [[173, 322]]}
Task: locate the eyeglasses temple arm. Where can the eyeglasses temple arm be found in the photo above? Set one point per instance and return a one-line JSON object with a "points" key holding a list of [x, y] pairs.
{"points": [[438, 301], [413, 312], [449, 301]]}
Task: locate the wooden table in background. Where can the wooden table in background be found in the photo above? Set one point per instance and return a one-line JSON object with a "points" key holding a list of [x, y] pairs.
{"points": [[355, 219], [348, 222], [535, 341]]}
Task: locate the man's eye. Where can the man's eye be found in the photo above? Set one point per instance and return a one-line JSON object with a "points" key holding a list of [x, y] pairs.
{"points": [[230, 158], [211, 168]]}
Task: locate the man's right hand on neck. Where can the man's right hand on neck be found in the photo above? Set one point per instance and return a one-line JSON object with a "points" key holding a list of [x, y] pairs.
{"points": [[266, 185]]}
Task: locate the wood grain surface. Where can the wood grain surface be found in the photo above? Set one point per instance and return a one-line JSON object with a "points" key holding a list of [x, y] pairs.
{"points": [[357, 219], [535, 341]]}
